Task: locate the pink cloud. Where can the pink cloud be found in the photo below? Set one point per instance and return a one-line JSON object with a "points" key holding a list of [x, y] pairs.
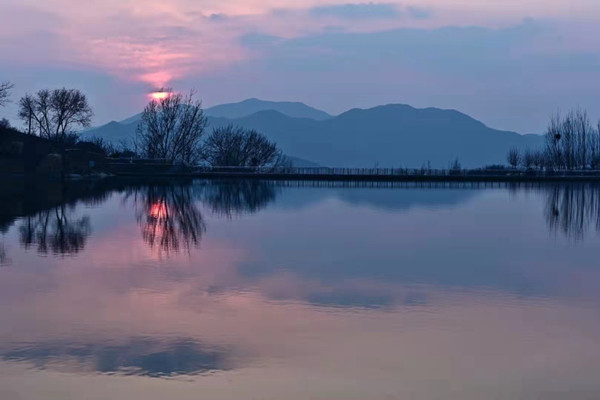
{"points": [[157, 42]]}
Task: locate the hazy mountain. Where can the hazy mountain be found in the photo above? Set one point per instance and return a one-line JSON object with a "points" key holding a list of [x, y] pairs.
{"points": [[392, 135], [301, 163], [251, 106], [388, 136], [114, 132], [134, 118]]}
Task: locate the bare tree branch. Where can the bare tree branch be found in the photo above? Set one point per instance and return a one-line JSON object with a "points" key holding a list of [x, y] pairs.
{"points": [[572, 142], [5, 88], [238, 147], [55, 114], [172, 128], [513, 157]]}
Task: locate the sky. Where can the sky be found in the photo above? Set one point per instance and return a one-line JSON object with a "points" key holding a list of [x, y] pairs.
{"points": [[509, 63]]}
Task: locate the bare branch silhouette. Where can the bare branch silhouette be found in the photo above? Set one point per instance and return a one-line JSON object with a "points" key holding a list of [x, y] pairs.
{"points": [[238, 147], [55, 114], [172, 128], [5, 88]]}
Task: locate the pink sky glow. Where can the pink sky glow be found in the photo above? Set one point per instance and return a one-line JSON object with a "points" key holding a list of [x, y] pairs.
{"points": [[229, 49]]}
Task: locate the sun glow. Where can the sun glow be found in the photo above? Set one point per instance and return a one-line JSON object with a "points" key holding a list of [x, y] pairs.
{"points": [[158, 211], [159, 95]]}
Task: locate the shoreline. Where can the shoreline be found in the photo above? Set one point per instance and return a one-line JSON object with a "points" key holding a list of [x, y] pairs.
{"points": [[369, 178], [466, 176]]}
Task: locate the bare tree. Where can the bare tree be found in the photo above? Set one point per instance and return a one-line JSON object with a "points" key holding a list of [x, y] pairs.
{"points": [[583, 133], [595, 148], [553, 141], [513, 157], [27, 110], [55, 114], [5, 88], [569, 140], [539, 159], [572, 142], [172, 128], [528, 159], [239, 147]]}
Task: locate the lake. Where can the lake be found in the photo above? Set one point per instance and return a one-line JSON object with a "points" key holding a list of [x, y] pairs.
{"points": [[262, 290]]}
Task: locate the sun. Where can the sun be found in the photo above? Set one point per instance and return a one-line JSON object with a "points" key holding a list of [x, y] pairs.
{"points": [[159, 95]]}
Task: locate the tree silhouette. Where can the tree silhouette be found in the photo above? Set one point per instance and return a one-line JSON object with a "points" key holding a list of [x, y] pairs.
{"points": [[232, 146], [572, 142], [5, 88], [171, 128], [55, 114], [513, 157]]}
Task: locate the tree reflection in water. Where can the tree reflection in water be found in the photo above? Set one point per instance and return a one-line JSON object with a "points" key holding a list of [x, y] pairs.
{"points": [[237, 197], [4, 260], [169, 217], [56, 231], [573, 209]]}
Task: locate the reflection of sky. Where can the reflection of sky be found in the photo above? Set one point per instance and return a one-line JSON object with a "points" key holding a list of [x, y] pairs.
{"points": [[354, 298]]}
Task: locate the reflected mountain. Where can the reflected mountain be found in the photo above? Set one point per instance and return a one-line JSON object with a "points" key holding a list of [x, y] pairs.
{"points": [[573, 210], [137, 356], [169, 217], [402, 199], [58, 231], [378, 196]]}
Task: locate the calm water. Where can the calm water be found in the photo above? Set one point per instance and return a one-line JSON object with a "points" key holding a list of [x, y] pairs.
{"points": [[249, 290]]}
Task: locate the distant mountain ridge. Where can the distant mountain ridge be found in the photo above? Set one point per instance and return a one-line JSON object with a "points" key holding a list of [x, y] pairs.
{"points": [[393, 135], [252, 106]]}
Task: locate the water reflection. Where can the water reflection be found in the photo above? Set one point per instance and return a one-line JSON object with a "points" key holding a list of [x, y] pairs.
{"points": [[4, 260], [136, 356], [573, 210], [371, 293], [236, 197], [58, 231], [171, 220], [169, 217]]}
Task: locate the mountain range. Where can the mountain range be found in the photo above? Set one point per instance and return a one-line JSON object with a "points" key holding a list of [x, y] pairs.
{"points": [[393, 135]]}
